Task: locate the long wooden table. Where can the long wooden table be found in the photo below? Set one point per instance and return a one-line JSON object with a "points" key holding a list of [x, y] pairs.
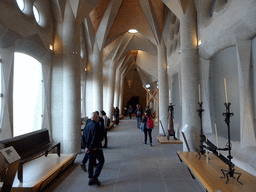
{"points": [[208, 174]]}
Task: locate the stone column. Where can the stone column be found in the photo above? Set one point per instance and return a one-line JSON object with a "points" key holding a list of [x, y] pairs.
{"points": [[247, 125], [163, 87], [71, 84], [121, 93], [117, 88], [97, 79], [190, 76], [111, 91]]}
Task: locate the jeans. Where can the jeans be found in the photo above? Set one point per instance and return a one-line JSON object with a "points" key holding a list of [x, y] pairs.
{"points": [[149, 131], [117, 119], [93, 155], [138, 122], [85, 159]]}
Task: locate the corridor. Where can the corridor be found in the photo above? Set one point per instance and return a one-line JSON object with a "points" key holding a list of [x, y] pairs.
{"points": [[131, 165]]}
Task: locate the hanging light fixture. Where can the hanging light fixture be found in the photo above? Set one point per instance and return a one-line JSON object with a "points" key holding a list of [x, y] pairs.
{"points": [[133, 31]]}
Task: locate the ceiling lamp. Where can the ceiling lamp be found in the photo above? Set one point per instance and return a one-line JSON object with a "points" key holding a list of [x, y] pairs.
{"points": [[133, 31], [147, 86]]}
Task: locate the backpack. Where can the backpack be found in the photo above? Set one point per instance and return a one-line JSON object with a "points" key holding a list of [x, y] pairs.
{"points": [[150, 122]]}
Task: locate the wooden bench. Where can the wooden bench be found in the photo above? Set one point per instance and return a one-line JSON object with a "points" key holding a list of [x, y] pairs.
{"points": [[209, 174], [29, 146]]}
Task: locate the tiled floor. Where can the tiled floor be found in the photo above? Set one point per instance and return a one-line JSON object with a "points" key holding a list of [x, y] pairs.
{"points": [[131, 165]]}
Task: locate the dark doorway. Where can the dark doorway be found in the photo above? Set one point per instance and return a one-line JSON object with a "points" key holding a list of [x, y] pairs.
{"points": [[133, 102]]}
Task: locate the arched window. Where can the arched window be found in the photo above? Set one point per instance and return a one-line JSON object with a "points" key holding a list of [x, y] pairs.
{"points": [[36, 14], [21, 4], [27, 94]]}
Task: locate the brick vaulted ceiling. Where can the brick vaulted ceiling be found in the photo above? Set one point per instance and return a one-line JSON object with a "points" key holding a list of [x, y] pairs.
{"points": [[146, 16], [130, 16]]}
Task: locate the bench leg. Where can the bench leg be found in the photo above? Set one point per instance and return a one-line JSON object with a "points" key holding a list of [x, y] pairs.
{"points": [[58, 149], [20, 172]]}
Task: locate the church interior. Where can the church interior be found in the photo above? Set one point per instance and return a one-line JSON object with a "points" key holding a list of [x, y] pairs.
{"points": [[61, 60]]}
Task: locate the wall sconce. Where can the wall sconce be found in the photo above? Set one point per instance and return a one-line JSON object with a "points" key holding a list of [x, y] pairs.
{"points": [[51, 47], [85, 69]]}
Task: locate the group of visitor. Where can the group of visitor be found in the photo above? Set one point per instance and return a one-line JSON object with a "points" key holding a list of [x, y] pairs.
{"points": [[95, 131]]}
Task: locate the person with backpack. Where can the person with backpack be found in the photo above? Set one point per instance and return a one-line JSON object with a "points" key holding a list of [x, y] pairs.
{"points": [[149, 125], [138, 116]]}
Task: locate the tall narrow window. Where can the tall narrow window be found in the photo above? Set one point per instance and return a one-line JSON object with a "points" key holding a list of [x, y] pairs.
{"points": [[27, 94], [1, 91]]}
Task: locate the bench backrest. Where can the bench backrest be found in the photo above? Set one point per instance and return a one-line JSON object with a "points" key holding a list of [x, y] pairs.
{"points": [[24, 143]]}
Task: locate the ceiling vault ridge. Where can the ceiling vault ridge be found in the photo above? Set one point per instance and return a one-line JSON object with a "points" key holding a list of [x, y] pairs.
{"points": [[107, 21], [113, 54], [151, 18], [166, 30], [126, 61], [89, 33], [125, 42], [58, 9], [128, 68], [145, 76], [84, 8]]}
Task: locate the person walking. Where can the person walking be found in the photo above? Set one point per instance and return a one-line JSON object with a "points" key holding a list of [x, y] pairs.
{"points": [[92, 142], [130, 111], [85, 159], [117, 115], [149, 125], [138, 113], [106, 125]]}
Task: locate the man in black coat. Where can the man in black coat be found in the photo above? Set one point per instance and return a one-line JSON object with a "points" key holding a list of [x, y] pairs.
{"points": [[92, 137]]}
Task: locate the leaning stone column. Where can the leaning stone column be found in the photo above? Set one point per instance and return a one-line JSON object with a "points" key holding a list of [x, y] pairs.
{"points": [[190, 76], [111, 84], [163, 87], [117, 87], [71, 84], [247, 125], [97, 79]]}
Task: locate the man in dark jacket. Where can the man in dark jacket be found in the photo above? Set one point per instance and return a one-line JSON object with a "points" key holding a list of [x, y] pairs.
{"points": [[92, 137]]}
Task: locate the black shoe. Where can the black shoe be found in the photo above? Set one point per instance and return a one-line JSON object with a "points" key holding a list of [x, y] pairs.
{"points": [[83, 166], [91, 182], [94, 181], [145, 143], [151, 145]]}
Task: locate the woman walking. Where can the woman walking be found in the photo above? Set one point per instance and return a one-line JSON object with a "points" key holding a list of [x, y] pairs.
{"points": [[148, 126]]}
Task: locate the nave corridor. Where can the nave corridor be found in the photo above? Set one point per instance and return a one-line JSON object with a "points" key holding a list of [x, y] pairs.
{"points": [[131, 165]]}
